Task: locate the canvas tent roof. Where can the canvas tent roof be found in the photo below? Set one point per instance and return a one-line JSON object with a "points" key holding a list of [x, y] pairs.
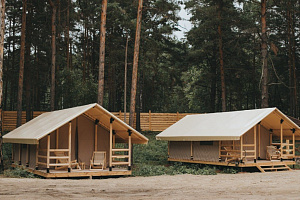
{"points": [[226, 125], [32, 131]]}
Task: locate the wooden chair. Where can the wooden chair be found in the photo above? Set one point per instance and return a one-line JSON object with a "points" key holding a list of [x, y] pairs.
{"points": [[272, 152], [98, 159], [74, 163]]}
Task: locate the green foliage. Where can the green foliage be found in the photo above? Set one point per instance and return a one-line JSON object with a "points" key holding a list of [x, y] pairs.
{"points": [[229, 170], [151, 160], [18, 172]]}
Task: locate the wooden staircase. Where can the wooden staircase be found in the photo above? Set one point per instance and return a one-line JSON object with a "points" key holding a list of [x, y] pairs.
{"points": [[272, 167]]}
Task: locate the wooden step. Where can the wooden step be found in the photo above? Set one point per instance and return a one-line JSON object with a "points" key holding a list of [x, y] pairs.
{"points": [[273, 168], [276, 168]]}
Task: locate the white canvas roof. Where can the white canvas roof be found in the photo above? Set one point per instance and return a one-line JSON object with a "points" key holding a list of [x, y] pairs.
{"points": [[32, 131], [226, 125]]}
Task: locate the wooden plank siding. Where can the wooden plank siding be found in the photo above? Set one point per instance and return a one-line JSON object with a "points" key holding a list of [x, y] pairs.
{"points": [[149, 121]]}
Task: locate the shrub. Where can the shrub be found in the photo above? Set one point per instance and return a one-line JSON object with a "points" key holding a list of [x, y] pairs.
{"points": [[18, 172], [229, 170]]}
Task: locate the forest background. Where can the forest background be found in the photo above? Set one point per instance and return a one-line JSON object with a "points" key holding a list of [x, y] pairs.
{"points": [[239, 54]]}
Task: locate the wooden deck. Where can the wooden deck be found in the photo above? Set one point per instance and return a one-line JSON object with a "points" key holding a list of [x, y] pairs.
{"points": [[245, 164], [80, 173]]}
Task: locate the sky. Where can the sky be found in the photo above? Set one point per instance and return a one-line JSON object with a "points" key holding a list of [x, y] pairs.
{"points": [[184, 24]]}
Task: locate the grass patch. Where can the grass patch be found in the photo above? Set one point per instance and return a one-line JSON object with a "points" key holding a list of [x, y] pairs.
{"points": [[152, 160]]}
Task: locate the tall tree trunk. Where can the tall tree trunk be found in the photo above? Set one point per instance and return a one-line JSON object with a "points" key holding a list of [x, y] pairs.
{"points": [[223, 86], [125, 78], [2, 32], [289, 46], [264, 52], [21, 72], [12, 88], [53, 55], [135, 63], [28, 66], [102, 53], [68, 35]]}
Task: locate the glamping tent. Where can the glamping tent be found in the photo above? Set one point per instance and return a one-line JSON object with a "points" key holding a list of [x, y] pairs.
{"points": [[260, 137], [82, 137]]}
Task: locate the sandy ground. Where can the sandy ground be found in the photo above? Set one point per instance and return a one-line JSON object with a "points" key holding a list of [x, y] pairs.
{"points": [[279, 185]]}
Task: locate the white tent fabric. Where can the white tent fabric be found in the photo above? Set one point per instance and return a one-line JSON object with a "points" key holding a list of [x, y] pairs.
{"points": [[32, 131], [224, 125]]}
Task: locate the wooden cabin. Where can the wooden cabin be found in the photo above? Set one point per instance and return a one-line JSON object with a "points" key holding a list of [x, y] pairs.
{"points": [[262, 138], [72, 142]]}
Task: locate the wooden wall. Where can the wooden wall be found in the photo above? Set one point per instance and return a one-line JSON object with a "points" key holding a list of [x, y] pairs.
{"points": [[149, 121]]}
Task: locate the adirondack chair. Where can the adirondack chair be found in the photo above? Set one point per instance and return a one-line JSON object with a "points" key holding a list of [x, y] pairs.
{"points": [[74, 163], [272, 152], [98, 159]]}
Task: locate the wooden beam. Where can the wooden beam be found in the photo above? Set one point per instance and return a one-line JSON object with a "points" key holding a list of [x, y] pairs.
{"points": [[129, 150], [259, 126], [110, 143], [12, 152], [281, 138], [114, 140], [48, 153], [56, 138], [293, 143], [255, 142], [20, 152], [27, 155], [220, 143], [36, 156], [191, 149], [168, 148], [70, 145], [241, 147], [96, 137]]}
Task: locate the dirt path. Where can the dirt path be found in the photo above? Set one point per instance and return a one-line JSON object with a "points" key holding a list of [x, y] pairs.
{"points": [[282, 185]]}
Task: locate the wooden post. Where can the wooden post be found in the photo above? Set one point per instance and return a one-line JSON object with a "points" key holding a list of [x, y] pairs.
{"points": [[271, 137], [70, 144], [150, 120], [27, 155], [20, 152], [114, 140], [177, 116], [293, 143], [220, 143], [120, 114], [36, 157], [241, 147], [56, 138], [48, 153], [96, 137], [12, 153], [168, 149], [110, 143], [192, 156], [255, 142], [259, 126], [281, 139], [129, 150]]}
